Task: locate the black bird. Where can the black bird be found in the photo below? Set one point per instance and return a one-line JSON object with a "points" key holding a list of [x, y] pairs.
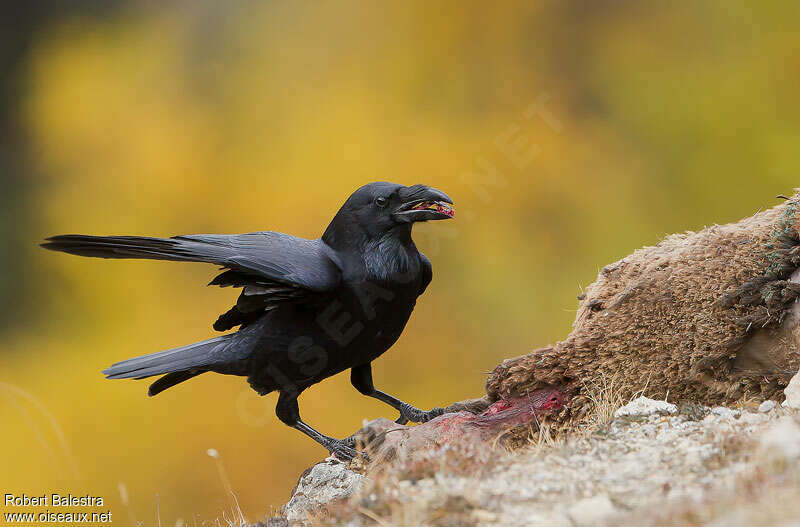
{"points": [[308, 309]]}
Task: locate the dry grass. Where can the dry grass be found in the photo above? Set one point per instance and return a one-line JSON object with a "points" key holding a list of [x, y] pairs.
{"points": [[234, 517], [604, 401], [604, 398], [393, 511], [231, 517]]}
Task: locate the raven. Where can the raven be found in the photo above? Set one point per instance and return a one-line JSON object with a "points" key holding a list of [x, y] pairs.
{"points": [[308, 309]]}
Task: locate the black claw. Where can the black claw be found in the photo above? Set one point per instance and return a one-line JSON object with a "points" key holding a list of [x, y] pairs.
{"points": [[345, 453], [418, 416], [344, 450], [433, 414]]}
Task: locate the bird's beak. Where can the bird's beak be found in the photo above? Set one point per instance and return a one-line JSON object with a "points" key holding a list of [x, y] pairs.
{"points": [[421, 203]]}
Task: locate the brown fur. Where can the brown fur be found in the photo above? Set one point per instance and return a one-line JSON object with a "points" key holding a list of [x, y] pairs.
{"points": [[703, 317]]}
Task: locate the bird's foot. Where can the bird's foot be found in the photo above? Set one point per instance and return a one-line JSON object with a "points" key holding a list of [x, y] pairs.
{"points": [[415, 415], [344, 449]]}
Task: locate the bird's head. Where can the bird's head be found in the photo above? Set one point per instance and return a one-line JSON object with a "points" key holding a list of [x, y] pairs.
{"points": [[380, 207]]}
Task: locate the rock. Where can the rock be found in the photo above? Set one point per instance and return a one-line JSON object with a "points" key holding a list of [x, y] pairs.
{"points": [[326, 481], [781, 442], [643, 407], [736, 517], [751, 419], [272, 522], [556, 519], [591, 511], [725, 413], [693, 411], [793, 393], [633, 472], [766, 407]]}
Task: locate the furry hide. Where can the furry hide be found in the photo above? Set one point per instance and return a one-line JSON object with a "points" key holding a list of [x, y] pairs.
{"points": [[705, 316]]}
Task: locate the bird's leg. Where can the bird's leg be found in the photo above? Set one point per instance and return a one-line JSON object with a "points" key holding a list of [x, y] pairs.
{"points": [[361, 378], [288, 412]]}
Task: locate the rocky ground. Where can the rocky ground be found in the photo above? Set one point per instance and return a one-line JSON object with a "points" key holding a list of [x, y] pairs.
{"points": [[647, 463]]}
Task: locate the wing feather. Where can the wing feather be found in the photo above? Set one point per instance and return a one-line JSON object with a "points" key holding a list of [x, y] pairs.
{"points": [[271, 267]]}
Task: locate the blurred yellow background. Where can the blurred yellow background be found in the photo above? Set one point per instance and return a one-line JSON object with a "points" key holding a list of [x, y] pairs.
{"points": [[569, 133]]}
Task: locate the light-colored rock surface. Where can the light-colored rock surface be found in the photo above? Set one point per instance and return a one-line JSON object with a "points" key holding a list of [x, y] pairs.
{"points": [[725, 413], [324, 483], [591, 511], [766, 407], [648, 470], [792, 393], [752, 418], [643, 407], [781, 442]]}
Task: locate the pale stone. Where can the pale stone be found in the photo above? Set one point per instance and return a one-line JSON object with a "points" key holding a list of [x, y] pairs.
{"points": [[766, 407], [325, 482], [725, 413], [591, 511], [643, 407], [781, 442], [752, 419], [793, 393]]}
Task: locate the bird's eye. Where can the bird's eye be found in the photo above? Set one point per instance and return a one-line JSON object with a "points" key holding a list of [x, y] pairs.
{"points": [[381, 202]]}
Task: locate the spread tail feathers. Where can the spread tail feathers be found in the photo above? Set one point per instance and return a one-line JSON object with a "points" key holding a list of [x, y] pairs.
{"points": [[180, 248], [171, 379], [180, 364]]}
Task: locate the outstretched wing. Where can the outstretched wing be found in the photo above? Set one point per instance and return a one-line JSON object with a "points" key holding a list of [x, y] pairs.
{"points": [[271, 267]]}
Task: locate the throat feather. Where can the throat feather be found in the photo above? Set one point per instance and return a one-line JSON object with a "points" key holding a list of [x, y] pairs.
{"points": [[387, 259]]}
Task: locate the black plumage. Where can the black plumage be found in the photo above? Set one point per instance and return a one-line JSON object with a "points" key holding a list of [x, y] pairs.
{"points": [[308, 309]]}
